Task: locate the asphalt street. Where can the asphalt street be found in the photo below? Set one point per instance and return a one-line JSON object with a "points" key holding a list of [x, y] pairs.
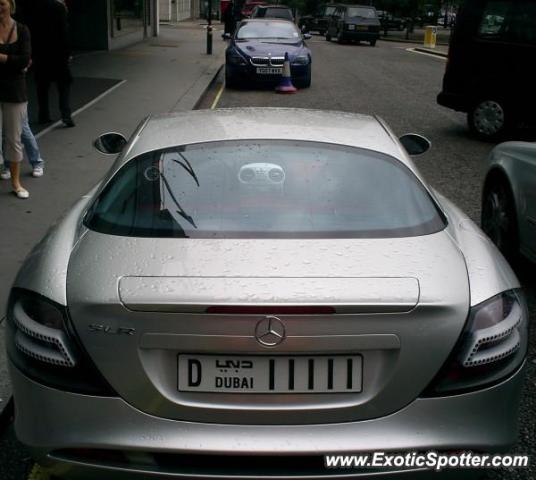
{"points": [[400, 86]]}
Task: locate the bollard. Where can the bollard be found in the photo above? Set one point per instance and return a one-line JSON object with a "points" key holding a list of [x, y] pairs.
{"points": [[209, 40], [430, 35]]}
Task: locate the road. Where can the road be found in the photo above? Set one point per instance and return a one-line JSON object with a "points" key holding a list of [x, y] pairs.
{"points": [[400, 86]]}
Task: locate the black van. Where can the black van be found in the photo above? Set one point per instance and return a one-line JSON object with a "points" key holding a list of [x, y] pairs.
{"points": [[490, 72]]}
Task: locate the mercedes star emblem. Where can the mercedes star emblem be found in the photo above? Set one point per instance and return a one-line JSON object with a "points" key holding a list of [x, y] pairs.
{"points": [[270, 331]]}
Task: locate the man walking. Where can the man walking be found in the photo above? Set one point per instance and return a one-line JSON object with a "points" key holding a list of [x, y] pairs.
{"points": [[47, 20]]}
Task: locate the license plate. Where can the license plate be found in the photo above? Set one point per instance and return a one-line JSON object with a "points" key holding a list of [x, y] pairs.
{"points": [[265, 374], [362, 27], [269, 70]]}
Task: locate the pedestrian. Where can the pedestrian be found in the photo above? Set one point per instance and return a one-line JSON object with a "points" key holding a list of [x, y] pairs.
{"points": [[47, 20], [15, 53], [32, 153], [229, 19]]}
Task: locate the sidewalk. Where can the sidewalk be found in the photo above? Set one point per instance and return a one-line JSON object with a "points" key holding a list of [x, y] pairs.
{"points": [[416, 40], [166, 73]]}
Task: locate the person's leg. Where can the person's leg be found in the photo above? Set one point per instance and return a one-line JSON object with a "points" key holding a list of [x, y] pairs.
{"points": [[13, 118], [64, 95], [3, 168], [30, 146], [42, 86]]}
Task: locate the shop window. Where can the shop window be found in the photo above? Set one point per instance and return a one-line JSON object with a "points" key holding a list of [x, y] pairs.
{"points": [[127, 16]]}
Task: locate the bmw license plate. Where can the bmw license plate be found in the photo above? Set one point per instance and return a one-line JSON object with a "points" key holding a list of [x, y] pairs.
{"points": [[265, 374], [270, 70]]}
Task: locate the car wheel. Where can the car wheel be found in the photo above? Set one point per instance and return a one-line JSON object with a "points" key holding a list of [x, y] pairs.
{"points": [[499, 218], [340, 37], [373, 43], [488, 119], [328, 37]]}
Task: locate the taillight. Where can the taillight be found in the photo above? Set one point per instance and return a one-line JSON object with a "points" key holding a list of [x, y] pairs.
{"points": [[40, 332], [492, 346], [42, 345]]}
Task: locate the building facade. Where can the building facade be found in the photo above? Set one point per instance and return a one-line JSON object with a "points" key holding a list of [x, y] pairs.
{"points": [[111, 24], [177, 10]]}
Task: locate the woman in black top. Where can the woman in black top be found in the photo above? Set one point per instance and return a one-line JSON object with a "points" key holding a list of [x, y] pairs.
{"points": [[15, 51]]}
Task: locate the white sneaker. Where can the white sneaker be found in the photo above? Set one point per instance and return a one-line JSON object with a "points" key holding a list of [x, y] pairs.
{"points": [[38, 172], [22, 193], [5, 174]]}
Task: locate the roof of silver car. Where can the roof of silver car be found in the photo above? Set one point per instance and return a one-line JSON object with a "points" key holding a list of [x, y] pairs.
{"points": [[183, 128]]}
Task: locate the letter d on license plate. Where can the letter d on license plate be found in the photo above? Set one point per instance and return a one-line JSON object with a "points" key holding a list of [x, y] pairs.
{"points": [[265, 374]]}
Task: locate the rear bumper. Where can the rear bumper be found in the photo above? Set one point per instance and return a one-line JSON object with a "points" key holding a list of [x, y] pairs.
{"points": [[53, 423], [357, 35]]}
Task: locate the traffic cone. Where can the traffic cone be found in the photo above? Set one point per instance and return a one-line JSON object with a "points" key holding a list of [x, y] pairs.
{"points": [[285, 85]]}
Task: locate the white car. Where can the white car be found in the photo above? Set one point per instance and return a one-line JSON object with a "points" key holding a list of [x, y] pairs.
{"points": [[509, 199]]}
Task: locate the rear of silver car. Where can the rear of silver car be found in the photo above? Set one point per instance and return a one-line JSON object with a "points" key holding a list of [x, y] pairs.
{"points": [[251, 343]]}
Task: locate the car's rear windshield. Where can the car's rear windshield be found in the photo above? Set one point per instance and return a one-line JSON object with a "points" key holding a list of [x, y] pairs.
{"points": [[274, 12], [278, 13], [330, 10], [266, 30], [360, 12], [264, 189]]}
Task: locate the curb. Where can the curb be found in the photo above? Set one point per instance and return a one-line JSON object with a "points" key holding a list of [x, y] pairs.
{"points": [[208, 87], [191, 99], [415, 42], [431, 52]]}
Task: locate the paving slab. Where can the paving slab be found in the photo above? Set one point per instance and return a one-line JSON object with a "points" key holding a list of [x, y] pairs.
{"points": [[161, 74]]}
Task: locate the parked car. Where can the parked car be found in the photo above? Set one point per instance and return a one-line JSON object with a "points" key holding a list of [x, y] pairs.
{"points": [[256, 53], [248, 8], [509, 199], [487, 75], [318, 22], [249, 289], [354, 23], [273, 11], [390, 22]]}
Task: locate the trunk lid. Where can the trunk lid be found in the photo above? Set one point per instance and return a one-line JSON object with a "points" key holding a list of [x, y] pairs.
{"points": [[391, 302]]}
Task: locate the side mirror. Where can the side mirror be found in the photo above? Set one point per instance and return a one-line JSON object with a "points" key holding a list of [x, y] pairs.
{"points": [[307, 36], [110, 143], [227, 36], [415, 144]]}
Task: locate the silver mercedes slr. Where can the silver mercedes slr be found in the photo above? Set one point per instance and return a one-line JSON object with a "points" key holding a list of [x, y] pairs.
{"points": [[248, 290]]}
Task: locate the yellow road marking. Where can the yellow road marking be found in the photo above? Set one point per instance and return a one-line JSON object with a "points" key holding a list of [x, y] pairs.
{"points": [[218, 96]]}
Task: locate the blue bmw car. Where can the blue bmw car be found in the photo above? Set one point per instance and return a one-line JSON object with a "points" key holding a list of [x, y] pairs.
{"points": [[257, 50]]}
